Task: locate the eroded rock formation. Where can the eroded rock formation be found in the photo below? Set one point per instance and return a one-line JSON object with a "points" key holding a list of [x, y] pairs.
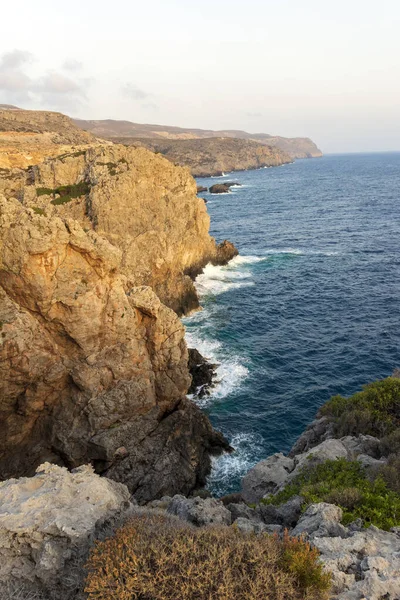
{"points": [[95, 241]]}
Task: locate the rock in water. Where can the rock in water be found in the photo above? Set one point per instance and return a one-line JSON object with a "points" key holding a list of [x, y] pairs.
{"points": [[202, 372], [45, 519]]}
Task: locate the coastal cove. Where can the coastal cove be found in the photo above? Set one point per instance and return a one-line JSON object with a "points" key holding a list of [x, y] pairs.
{"points": [[310, 307]]}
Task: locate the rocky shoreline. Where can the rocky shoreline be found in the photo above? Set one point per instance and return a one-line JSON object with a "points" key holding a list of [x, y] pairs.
{"points": [[100, 246]]}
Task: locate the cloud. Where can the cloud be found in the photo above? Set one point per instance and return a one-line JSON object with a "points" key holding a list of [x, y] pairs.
{"points": [[132, 91], [57, 83], [72, 65], [52, 89], [15, 59]]}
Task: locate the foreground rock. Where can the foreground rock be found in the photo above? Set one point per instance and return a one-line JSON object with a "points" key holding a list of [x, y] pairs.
{"points": [[364, 565], [49, 520]]}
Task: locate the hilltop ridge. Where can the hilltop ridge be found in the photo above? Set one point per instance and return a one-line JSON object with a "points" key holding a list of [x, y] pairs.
{"points": [[297, 147]]}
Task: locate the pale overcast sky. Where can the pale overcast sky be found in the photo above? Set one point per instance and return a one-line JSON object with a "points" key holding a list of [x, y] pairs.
{"points": [[327, 70]]}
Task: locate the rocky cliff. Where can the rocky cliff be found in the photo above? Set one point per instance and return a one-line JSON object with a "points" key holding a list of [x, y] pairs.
{"points": [[214, 156], [112, 129], [94, 242]]}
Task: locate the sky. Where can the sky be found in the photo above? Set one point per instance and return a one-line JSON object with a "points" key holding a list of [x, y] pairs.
{"points": [[325, 70]]}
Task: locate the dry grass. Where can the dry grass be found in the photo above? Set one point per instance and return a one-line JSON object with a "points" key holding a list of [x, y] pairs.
{"points": [[153, 557]]}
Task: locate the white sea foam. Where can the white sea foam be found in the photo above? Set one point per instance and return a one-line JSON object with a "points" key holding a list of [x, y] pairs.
{"points": [[216, 280], [299, 251], [231, 370], [228, 467]]}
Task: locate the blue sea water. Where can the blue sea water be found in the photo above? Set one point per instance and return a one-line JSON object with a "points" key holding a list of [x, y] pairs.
{"points": [[310, 308]]}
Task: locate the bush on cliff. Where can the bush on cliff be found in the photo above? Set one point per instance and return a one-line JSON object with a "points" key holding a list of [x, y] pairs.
{"points": [[373, 411], [154, 557], [345, 484]]}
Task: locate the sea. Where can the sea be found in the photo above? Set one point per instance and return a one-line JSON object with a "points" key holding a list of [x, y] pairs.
{"points": [[310, 307]]}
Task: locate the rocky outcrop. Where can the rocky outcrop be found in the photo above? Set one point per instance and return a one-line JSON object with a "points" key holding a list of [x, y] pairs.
{"points": [[275, 472], [29, 136], [214, 156], [140, 202], [92, 368], [223, 188], [49, 520]]}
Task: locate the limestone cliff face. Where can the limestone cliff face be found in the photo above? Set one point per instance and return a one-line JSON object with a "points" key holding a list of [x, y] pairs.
{"points": [[213, 156], [139, 201], [92, 367]]}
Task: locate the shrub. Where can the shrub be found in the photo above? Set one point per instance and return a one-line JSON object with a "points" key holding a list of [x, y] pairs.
{"points": [[374, 411], [154, 557], [38, 211], [344, 483], [390, 473], [66, 192], [390, 444]]}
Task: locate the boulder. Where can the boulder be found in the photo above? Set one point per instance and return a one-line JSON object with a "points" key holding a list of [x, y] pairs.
{"points": [[286, 514], [199, 511], [241, 511], [201, 188], [266, 477], [44, 518], [321, 520]]}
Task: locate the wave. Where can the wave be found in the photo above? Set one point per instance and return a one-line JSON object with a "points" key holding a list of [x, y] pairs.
{"points": [[299, 251], [229, 468], [231, 370], [217, 280]]}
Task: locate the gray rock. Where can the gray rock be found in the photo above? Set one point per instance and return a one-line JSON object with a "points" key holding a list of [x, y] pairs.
{"points": [[361, 444], [285, 514], [318, 431], [369, 464], [321, 520], [256, 527], [241, 511], [365, 565], [200, 511], [328, 450], [45, 517], [266, 477]]}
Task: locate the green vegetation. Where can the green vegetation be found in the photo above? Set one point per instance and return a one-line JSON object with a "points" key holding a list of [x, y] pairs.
{"points": [[345, 484], [154, 557], [66, 193], [44, 191], [373, 411], [38, 211], [71, 154], [112, 167]]}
